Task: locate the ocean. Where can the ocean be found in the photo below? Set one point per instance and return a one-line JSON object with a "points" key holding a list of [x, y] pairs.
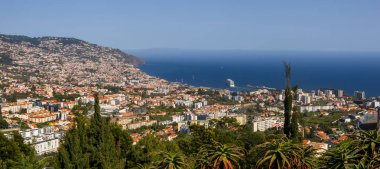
{"points": [[349, 71]]}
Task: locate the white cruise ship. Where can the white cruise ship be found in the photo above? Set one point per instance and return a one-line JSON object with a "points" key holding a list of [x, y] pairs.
{"points": [[230, 83]]}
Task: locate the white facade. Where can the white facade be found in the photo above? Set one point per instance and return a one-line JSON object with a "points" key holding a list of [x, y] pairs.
{"points": [[44, 140], [306, 99], [315, 108], [46, 146], [263, 124], [177, 118], [360, 95]]}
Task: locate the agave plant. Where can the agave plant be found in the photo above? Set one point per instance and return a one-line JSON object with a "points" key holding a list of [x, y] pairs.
{"points": [[307, 156], [171, 161], [220, 156], [343, 156], [280, 154], [369, 141]]}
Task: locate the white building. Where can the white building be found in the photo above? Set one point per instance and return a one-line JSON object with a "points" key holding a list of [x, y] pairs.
{"points": [[46, 146], [177, 118], [44, 140], [339, 93], [360, 95], [198, 105], [306, 99], [329, 93], [315, 108], [262, 124]]}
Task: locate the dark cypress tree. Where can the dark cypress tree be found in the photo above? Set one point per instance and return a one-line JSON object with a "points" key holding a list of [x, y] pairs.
{"points": [[97, 124], [288, 101], [94, 143], [294, 133]]}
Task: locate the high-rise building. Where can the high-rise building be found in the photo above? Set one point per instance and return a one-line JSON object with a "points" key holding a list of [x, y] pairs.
{"points": [[360, 95], [328, 93], [339, 93]]}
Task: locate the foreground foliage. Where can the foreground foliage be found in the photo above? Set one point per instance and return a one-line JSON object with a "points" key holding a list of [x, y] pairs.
{"points": [[98, 143]]}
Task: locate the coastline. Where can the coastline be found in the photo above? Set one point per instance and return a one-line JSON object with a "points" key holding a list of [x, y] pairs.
{"points": [[266, 70]]}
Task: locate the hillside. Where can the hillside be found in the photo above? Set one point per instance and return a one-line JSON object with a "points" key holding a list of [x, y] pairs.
{"points": [[62, 60]]}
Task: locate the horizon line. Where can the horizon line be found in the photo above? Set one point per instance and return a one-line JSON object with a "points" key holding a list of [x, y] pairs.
{"points": [[251, 50]]}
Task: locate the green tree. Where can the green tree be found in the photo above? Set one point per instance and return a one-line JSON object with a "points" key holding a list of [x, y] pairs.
{"points": [[248, 138], [94, 143], [15, 154], [294, 132], [200, 136], [148, 149], [3, 124], [288, 101]]}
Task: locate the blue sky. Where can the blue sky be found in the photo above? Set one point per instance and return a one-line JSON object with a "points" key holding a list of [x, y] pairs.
{"points": [[318, 25]]}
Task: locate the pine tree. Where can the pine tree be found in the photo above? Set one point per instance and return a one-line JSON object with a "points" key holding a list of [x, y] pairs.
{"points": [[288, 101]]}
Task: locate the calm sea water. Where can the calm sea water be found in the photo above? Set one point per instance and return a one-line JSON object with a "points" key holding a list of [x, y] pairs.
{"points": [[349, 71]]}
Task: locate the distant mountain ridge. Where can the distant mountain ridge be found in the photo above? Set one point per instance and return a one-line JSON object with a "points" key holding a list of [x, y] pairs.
{"points": [[36, 41], [63, 60]]}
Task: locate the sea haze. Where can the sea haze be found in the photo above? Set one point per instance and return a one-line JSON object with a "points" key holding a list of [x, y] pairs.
{"points": [[349, 71]]}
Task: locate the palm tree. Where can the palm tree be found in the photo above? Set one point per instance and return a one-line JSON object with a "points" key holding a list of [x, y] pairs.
{"points": [[220, 156], [280, 154], [171, 161]]}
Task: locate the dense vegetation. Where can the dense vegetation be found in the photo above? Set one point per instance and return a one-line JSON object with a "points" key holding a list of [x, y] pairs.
{"points": [[14, 96], [3, 123], [97, 143], [64, 97], [15, 154], [113, 89]]}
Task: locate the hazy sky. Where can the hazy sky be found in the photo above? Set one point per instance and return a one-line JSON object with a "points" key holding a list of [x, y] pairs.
{"points": [[323, 25]]}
